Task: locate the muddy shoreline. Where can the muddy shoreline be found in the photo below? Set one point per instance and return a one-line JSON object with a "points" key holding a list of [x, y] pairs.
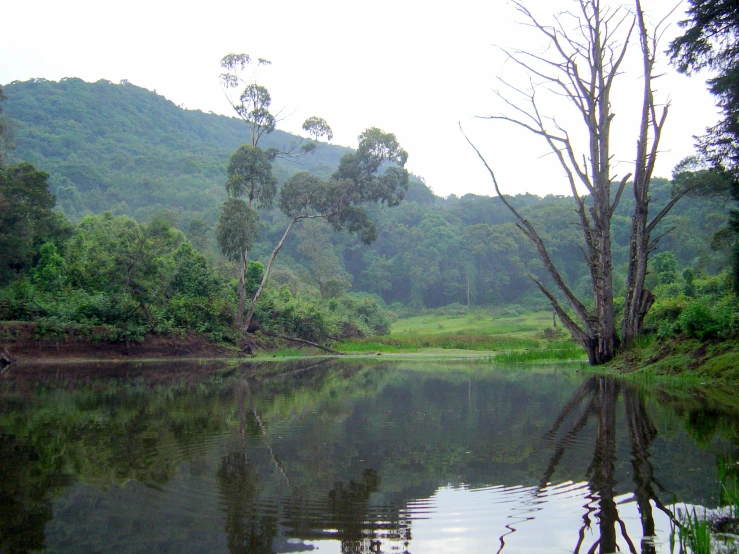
{"points": [[23, 343]]}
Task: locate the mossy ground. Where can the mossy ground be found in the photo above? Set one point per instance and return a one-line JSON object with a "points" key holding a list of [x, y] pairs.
{"points": [[682, 358]]}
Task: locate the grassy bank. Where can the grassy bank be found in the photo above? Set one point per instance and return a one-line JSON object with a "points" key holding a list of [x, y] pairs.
{"points": [[681, 358]]}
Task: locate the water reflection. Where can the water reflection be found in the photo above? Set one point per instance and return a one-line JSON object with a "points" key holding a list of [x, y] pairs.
{"points": [[598, 400], [27, 487], [341, 457]]}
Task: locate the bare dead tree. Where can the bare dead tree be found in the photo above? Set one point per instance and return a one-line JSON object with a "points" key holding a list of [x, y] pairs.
{"points": [[585, 54], [638, 298]]}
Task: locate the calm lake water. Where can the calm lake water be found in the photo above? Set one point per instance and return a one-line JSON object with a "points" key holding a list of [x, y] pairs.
{"points": [[349, 457]]}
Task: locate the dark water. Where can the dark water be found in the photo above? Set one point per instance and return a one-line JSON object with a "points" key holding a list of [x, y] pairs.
{"points": [[349, 457]]}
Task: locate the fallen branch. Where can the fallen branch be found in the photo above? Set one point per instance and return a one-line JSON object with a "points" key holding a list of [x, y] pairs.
{"points": [[302, 341]]}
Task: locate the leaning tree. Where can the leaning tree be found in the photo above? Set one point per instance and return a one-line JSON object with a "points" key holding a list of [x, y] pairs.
{"points": [[375, 173], [587, 48]]}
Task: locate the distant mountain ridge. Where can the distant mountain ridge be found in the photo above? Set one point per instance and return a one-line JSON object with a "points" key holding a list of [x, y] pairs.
{"points": [[125, 148]]}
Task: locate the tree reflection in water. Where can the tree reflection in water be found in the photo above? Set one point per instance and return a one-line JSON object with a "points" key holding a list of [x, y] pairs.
{"points": [[348, 515], [248, 529], [599, 395]]}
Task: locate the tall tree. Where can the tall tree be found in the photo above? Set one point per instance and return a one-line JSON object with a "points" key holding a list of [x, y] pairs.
{"points": [[581, 68], [711, 42], [250, 176], [250, 167]]}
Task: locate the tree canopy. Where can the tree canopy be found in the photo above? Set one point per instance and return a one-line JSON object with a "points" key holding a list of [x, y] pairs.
{"points": [[711, 42]]}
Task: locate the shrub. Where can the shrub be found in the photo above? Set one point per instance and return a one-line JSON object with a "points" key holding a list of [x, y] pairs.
{"points": [[703, 320], [664, 314]]}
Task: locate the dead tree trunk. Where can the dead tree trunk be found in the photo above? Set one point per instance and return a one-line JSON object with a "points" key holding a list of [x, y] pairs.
{"points": [[638, 299], [581, 69]]}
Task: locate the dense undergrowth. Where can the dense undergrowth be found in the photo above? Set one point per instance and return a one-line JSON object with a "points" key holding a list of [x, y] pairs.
{"points": [[113, 277]]}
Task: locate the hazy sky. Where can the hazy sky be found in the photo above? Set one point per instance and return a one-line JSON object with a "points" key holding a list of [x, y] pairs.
{"points": [[410, 67]]}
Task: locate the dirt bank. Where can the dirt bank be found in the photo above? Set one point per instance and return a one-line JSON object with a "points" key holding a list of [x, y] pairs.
{"points": [[25, 342]]}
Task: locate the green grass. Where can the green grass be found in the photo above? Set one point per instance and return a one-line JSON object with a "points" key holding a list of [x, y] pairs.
{"points": [[695, 533], [474, 323], [681, 360], [502, 339], [556, 351], [415, 343]]}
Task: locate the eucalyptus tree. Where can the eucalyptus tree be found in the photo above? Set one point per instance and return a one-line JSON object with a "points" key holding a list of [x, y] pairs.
{"points": [[587, 49], [374, 173], [249, 176], [250, 167]]}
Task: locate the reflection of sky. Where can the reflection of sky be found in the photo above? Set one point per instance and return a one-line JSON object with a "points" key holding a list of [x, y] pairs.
{"points": [[458, 519]]}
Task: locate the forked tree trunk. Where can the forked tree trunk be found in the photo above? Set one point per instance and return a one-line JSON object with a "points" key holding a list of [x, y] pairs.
{"points": [[582, 69], [639, 299]]}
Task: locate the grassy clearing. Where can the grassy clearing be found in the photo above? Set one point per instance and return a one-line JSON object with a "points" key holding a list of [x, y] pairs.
{"points": [[415, 343], [474, 323], [502, 339]]}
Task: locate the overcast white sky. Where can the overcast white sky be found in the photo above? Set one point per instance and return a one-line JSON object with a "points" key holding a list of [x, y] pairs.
{"points": [[410, 67]]}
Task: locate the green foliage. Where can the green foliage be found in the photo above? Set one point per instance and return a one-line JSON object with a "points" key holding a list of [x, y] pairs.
{"points": [[237, 228], [117, 272], [26, 217], [250, 175], [695, 534], [50, 270], [703, 320], [427, 252], [254, 274], [367, 313], [664, 265], [279, 311]]}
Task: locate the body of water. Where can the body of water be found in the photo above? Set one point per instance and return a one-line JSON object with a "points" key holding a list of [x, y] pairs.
{"points": [[350, 457]]}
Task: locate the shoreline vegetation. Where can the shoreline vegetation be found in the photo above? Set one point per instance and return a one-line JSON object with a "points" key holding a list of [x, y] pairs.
{"points": [[475, 336]]}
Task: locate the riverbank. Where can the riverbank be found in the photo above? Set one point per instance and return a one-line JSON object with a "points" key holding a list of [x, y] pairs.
{"points": [[29, 342], [716, 359]]}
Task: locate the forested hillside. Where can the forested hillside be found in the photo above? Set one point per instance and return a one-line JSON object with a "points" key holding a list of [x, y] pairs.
{"points": [[127, 150]]}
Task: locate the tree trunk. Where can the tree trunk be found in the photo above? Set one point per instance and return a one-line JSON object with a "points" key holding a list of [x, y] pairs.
{"points": [[242, 289], [638, 300], [147, 314], [254, 300], [303, 341]]}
